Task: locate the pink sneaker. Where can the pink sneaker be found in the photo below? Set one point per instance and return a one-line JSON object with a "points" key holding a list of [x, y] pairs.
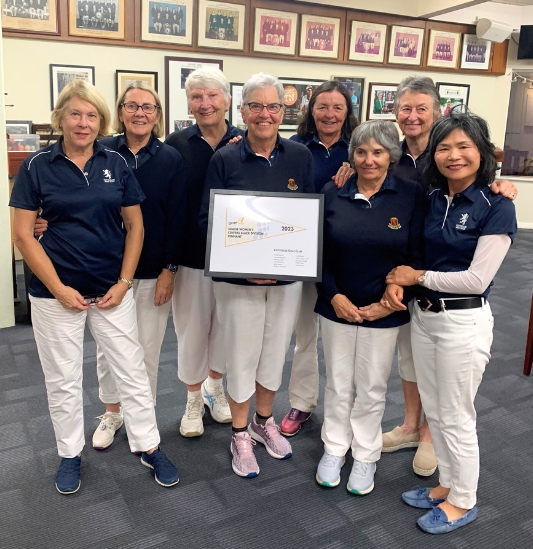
{"points": [[243, 463], [292, 422], [269, 435]]}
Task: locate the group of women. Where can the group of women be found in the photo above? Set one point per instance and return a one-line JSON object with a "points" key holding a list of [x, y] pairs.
{"points": [[393, 235]]}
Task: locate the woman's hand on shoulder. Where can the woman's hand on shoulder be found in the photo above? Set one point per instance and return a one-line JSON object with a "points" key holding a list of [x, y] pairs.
{"points": [[114, 296], [71, 299], [234, 140], [504, 187], [345, 309], [374, 311], [392, 298], [343, 174]]}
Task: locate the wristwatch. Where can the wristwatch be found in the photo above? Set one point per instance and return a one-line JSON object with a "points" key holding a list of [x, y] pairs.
{"points": [[421, 278], [127, 281], [172, 268]]}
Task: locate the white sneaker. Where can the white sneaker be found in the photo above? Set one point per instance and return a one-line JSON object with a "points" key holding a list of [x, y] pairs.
{"points": [[191, 422], [217, 403], [104, 435]]}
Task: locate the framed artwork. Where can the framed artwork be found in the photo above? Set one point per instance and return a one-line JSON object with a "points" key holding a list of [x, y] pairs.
{"points": [[97, 19], [178, 115], [126, 78], [319, 36], [453, 97], [367, 42], [356, 87], [221, 25], [19, 127], [476, 53], [275, 31], [235, 109], [443, 49], [61, 75], [380, 101], [37, 16], [297, 94], [406, 45], [168, 21]]}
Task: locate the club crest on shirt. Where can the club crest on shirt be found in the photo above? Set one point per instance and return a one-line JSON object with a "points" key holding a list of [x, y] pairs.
{"points": [[394, 223], [292, 185], [461, 226], [108, 176]]}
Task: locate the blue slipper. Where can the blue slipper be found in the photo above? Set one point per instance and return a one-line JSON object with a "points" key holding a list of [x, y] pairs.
{"points": [[436, 521], [419, 497]]}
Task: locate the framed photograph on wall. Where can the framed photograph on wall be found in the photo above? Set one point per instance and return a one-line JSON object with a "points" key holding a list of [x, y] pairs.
{"points": [[367, 42], [453, 97], [443, 49], [177, 112], [97, 19], [39, 16], [275, 31], [221, 25], [297, 94], [356, 87], [61, 75], [406, 45], [126, 78], [380, 101], [476, 53], [319, 36], [19, 127], [235, 110], [168, 21]]}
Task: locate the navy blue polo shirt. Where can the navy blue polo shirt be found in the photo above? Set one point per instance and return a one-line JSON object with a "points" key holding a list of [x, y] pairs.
{"points": [[326, 162], [196, 153], [160, 172], [238, 167], [410, 169], [364, 239], [85, 237], [451, 233]]}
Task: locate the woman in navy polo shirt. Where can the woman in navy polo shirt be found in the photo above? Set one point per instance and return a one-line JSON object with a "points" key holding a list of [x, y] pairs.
{"points": [[83, 268], [369, 224], [468, 230]]}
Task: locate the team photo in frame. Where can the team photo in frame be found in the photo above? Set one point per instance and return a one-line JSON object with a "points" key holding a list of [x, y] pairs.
{"points": [[123, 79], [275, 31], [367, 42], [97, 18], [405, 46], [443, 49], [476, 53], [61, 75], [380, 101], [168, 21], [319, 36], [221, 25], [28, 17]]}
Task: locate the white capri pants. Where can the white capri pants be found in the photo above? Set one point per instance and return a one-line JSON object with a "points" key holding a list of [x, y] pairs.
{"points": [[451, 350], [358, 359], [303, 385], [257, 322], [59, 336], [200, 342], [406, 366], [151, 325]]}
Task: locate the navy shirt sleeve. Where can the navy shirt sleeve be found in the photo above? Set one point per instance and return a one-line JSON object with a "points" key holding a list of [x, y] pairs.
{"points": [[175, 221], [213, 180], [501, 218], [26, 193]]}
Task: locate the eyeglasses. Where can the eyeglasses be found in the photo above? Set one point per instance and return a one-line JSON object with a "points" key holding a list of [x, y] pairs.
{"points": [[132, 107], [272, 108], [92, 300]]}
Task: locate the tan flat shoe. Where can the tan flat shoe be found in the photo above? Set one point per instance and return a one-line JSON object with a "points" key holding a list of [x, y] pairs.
{"points": [[396, 440], [425, 461]]}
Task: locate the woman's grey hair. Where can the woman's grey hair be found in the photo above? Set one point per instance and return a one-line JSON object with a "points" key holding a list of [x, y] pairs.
{"points": [[383, 132], [262, 80], [418, 84], [208, 77]]}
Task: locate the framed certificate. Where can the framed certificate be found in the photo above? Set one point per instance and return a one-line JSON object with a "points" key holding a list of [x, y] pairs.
{"points": [[265, 235]]}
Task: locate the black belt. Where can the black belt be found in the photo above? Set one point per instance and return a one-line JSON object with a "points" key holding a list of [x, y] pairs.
{"points": [[449, 304]]}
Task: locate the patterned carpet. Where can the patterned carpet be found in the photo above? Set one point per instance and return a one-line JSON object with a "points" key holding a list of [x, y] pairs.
{"points": [[120, 506]]}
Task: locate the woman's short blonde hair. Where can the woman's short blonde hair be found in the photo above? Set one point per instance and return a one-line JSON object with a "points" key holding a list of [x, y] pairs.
{"points": [[159, 128], [86, 92]]}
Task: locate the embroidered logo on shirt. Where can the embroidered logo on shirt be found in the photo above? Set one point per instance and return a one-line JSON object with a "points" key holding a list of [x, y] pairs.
{"points": [[108, 176], [394, 223], [292, 185], [462, 222]]}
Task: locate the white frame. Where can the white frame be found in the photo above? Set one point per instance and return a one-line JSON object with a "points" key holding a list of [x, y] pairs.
{"points": [[472, 39], [373, 88], [271, 48], [446, 37], [235, 116], [147, 36], [206, 42], [401, 59], [88, 72], [368, 57], [310, 52]]}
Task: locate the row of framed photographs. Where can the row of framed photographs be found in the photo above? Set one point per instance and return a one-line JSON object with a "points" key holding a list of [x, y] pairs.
{"points": [[221, 25]]}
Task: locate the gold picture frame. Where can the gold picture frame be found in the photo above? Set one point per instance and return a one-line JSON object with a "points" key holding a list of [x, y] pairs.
{"points": [[42, 19], [98, 19]]}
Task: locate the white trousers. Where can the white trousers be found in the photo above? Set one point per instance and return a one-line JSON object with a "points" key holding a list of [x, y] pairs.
{"points": [[59, 337], [451, 350], [406, 365], [200, 343], [151, 324], [357, 360], [303, 385], [257, 323]]}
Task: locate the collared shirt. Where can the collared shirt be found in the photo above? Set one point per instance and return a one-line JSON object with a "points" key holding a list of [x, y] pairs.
{"points": [[85, 238], [409, 168], [134, 160], [326, 161], [453, 227]]}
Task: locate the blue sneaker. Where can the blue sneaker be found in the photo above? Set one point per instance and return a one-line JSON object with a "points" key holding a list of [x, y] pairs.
{"points": [[361, 481], [419, 497], [68, 475], [436, 521], [165, 473], [328, 472]]}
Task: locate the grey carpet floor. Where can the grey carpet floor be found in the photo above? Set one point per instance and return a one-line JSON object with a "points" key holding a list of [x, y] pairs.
{"points": [[120, 506]]}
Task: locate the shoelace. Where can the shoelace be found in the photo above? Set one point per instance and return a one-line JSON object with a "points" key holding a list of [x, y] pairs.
{"points": [[160, 461], [360, 468], [293, 414], [331, 461], [220, 397], [70, 466], [194, 407], [106, 419], [245, 446]]}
